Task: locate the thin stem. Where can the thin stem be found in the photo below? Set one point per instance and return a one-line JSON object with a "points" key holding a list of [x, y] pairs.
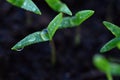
{"points": [[77, 37], [109, 76], [53, 52]]}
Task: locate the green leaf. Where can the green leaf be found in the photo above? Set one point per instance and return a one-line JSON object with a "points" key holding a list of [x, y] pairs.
{"points": [[58, 6], [102, 64], [110, 45], [115, 69], [40, 36], [33, 38], [113, 28], [114, 42], [26, 4], [105, 66], [76, 20], [54, 25]]}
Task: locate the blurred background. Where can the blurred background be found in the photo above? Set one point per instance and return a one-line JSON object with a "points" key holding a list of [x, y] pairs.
{"points": [[75, 47]]}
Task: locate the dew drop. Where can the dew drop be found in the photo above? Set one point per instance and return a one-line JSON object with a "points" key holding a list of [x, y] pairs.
{"points": [[20, 49]]}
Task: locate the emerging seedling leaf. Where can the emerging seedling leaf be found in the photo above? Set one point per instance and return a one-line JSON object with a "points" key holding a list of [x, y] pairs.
{"points": [[26, 4], [114, 42], [76, 20], [58, 6], [101, 63], [110, 45], [54, 25], [40, 36], [113, 28], [105, 66]]}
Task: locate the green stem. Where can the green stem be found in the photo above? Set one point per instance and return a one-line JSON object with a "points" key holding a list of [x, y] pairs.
{"points": [[77, 37], [53, 52], [109, 76]]}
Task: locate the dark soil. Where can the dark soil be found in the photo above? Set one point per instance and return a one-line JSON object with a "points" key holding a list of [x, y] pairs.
{"points": [[74, 61]]}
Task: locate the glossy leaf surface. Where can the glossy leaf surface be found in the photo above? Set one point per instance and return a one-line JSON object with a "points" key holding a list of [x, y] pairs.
{"points": [[54, 25], [113, 28], [110, 45], [40, 36], [76, 20], [58, 6], [26, 4]]}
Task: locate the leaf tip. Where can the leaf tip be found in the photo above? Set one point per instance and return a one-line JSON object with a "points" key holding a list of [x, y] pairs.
{"points": [[105, 22], [13, 48], [102, 50], [70, 13]]}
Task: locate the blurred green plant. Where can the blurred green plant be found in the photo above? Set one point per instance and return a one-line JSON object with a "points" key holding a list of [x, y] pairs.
{"points": [[109, 68], [114, 42]]}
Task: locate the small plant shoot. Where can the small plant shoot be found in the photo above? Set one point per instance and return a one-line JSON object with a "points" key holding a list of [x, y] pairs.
{"points": [[101, 63], [40, 36], [26, 4], [109, 68], [114, 42], [58, 6], [57, 23], [76, 20]]}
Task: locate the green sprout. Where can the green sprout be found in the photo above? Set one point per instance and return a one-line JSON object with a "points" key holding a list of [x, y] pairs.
{"points": [[40, 36], [109, 68], [115, 30]]}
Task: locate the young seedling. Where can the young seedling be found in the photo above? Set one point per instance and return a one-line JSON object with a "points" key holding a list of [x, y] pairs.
{"points": [[103, 65], [47, 34], [114, 42], [109, 68], [41, 36]]}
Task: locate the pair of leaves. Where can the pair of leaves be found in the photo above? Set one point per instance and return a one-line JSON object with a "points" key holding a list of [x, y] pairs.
{"points": [[40, 36], [29, 5], [105, 66], [114, 42], [56, 23]]}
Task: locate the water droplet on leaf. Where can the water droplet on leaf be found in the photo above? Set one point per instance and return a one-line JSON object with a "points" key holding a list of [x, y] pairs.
{"points": [[20, 49]]}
